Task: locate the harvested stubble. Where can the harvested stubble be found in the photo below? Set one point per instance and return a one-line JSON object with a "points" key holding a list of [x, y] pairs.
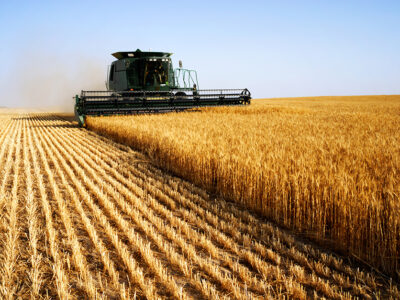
{"points": [[327, 167], [84, 217]]}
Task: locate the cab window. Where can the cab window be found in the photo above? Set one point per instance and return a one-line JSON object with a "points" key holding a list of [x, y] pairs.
{"points": [[112, 72]]}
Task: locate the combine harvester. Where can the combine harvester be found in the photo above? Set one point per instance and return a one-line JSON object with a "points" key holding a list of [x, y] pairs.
{"points": [[145, 82]]}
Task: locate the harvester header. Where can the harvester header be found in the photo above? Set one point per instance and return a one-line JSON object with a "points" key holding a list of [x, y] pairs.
{"points": [[146, 82]]}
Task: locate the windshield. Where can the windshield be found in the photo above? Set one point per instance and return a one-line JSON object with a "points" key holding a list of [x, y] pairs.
{"points": [[155, 72], [149, 72]]}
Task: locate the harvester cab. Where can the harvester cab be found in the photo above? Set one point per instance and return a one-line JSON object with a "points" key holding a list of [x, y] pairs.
{"points": [[141, 71], [140, 82]]}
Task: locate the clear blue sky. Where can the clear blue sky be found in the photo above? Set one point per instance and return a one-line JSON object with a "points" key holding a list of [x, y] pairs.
{"points": [[51, 50]]}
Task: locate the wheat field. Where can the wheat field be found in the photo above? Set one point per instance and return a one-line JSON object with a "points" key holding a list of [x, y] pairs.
{"points": [[328, 167], [83, 217]]}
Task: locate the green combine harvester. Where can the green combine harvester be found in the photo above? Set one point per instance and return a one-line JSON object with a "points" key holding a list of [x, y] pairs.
{"points": [[145, 82]]}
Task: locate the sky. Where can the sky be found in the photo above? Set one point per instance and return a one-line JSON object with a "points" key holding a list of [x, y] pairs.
{"points": [[51, 50]]}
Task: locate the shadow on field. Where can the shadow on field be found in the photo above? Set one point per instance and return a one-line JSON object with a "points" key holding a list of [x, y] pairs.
{"points": [[72, 125], [39, 117], [47, 119]]}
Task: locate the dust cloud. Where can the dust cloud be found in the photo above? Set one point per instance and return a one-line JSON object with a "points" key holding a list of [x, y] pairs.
{"points": [[50, 81]]}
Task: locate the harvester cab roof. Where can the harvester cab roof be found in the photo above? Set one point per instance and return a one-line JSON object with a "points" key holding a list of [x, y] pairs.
{"points": [[140, 82], [139, 54]]}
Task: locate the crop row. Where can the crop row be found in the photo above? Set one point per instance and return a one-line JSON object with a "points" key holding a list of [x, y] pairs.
{"points": [[326, 167], [85, 217]]}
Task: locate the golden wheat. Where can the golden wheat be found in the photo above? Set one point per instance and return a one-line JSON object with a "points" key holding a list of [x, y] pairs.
{"points": [[84, 217], [10, 251], [77, 256], [131, 212], [135, 239], [61, 280], [327, 167], [36, 272]]}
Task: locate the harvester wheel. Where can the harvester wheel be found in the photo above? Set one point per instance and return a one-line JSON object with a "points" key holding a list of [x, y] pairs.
{"points": [[245, 96], [180, 95]]}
